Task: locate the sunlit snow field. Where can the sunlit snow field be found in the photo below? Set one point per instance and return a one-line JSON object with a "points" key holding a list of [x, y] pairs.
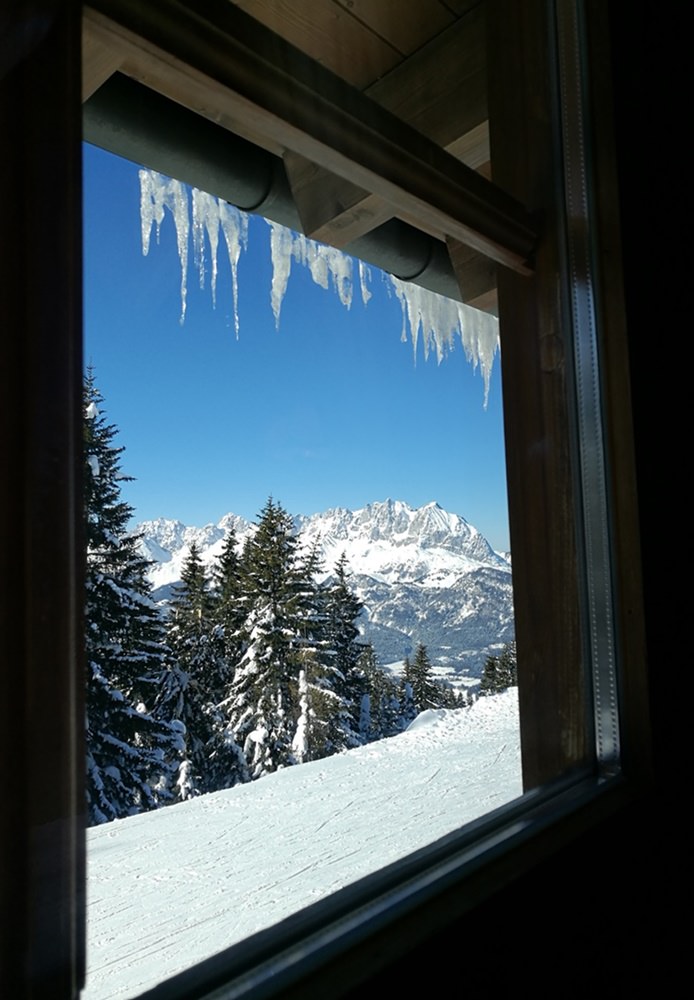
{"points": [[169, 888]]}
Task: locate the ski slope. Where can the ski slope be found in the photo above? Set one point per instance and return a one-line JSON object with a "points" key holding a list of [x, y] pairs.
{"points": [[169, 888]]}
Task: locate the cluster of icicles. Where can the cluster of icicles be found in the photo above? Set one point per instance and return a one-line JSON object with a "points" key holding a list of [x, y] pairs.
{"points": [[437, 319]]}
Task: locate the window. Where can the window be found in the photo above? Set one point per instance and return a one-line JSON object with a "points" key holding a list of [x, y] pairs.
{"points": [[43, 889]]}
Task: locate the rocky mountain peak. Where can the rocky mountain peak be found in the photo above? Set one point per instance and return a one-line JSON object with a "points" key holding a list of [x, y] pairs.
{"points": [[424, 574]]}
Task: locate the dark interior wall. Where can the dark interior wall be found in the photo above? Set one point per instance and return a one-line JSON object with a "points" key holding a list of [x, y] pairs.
{"points": [[653, 197]]}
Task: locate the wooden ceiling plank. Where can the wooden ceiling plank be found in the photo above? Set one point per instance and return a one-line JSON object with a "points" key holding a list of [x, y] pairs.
{"points": [[99, 59], [329, 34], [406, 26], [461, 7], [270, 88], [442, 89], [445, 88]]}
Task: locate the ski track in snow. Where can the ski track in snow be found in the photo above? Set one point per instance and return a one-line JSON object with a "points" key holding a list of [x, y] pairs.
{"points": [[169, 888]]}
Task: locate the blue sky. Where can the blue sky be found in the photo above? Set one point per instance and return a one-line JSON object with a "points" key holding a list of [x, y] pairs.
{"points": [[330, 410]]}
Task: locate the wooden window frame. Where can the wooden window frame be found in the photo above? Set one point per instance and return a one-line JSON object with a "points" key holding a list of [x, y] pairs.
{"points": [[352, 934]]}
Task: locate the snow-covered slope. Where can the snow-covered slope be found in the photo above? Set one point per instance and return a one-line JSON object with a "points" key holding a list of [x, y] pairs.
{"points": [[169, 888], [424, 575]]}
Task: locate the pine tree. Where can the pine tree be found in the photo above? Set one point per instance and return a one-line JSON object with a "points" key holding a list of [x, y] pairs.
{"points": [[418, 674], [408, 709], [448, 697], [230, 606], [489, 683], [320, 707], [381, 711], [263, 703], [226, 763], [197, 684], [508, 666], [194, 637], [343, 609], [308, 740], [131, 754], [500, 672], [331, 684]]}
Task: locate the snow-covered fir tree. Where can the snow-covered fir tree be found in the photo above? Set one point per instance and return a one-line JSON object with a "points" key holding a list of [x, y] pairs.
{"points": [[317, 703], [342, 610], [500, 672], [230, 607], [197, 683], [264, 699], [418, 675], [380, 708], [408, 708], [131, 754]]}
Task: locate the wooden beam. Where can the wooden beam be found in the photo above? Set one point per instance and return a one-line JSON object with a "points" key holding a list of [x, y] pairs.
{"points": [[216, 58], [473, 148], [331, 208], [100, 60], [476, 274], [487, 302], [537, 352], [441, 91]]}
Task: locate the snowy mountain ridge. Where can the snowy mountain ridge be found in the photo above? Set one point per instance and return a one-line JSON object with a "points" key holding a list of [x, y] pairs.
{"points": [[164, 540], [366, 534], [424, 574]]}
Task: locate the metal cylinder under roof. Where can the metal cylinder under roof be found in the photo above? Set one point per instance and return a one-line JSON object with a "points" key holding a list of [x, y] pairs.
{"points": [[129, 119]]}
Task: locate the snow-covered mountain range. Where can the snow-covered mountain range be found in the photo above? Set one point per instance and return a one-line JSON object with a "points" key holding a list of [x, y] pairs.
{"points": [[424, 575]]}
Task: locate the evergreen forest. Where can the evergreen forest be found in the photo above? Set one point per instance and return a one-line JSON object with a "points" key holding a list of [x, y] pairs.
{"points": [[252, 667]]}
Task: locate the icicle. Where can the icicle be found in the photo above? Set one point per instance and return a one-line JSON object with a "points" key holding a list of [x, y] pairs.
{"points": [[151, 208], [281, 255], [364, 279], [235, 228], [206, 220], [440, 319], [182, 223], [328, 264], [325, 265], [157, 193], [437, 319]]}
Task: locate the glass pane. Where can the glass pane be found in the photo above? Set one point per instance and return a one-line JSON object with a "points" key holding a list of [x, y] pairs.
{"points": [[312, 418]]}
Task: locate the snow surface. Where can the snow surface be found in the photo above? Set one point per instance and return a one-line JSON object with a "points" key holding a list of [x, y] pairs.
{"points": [[169, 888]]}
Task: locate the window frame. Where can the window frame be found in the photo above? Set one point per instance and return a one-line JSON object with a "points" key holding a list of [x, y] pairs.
{"points": [[354, 933]]}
